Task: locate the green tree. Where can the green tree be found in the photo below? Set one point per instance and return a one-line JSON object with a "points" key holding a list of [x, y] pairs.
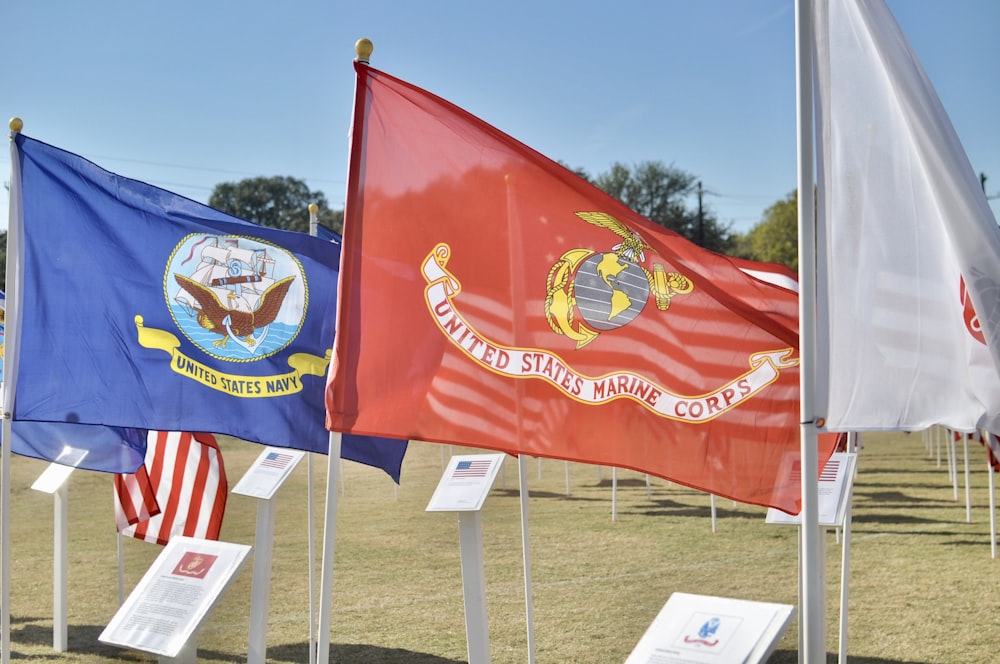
{"points": [[277, 202], [776, 238], [660, 193]]}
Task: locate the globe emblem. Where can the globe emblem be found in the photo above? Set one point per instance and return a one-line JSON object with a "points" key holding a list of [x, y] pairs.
{"points": [[610, 291]]}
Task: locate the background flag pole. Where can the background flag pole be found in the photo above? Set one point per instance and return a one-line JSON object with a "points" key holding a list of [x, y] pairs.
{"points": [[314, 231]]}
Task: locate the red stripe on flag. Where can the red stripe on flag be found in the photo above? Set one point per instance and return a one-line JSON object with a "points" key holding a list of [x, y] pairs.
{"points": [[136, 498], [186, 473]]}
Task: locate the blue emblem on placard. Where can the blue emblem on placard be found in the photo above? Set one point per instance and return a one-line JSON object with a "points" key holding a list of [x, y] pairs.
{"points": [[710, 627]]}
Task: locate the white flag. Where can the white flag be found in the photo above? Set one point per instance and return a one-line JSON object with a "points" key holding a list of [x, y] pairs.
{"points": [[904, 229]]}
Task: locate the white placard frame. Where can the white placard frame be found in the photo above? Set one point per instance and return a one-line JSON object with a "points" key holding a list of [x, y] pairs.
{"points": [[835, 486], [268, 472], [262, 480], [698, 628], [184, 584], [465, 483], [53, 481]]}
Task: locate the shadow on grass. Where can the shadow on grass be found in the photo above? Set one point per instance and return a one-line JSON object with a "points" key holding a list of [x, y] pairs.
{"points": [[623, 483], [83, 640], [899, 498], [339, 652], [792, 657], [514, 493], [672, 508], [80, 639]]}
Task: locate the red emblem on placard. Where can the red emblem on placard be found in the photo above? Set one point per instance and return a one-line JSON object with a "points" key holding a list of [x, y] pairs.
{"points": [[195, 565], [969, 313]]}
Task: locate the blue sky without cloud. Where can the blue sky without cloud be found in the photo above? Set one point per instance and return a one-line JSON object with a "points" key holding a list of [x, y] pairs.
{"points": [[185, 95]]}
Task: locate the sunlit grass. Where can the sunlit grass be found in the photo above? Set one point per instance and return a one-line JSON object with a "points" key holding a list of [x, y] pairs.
{"points": [[923, 587]]}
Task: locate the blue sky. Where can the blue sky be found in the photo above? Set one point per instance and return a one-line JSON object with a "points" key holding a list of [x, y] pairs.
{"points": [[185, 95]]}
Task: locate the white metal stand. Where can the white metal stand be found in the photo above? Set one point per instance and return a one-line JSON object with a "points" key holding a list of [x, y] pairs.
{"points": [[260, 595], [470, 537]]}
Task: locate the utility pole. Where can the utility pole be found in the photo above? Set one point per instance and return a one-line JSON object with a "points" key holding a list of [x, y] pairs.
{"points": [[701, 217], [982, 182]]}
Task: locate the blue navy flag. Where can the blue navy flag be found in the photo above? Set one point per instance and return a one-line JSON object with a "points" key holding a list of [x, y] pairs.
{"points": [[324, 233], [144, 309]]}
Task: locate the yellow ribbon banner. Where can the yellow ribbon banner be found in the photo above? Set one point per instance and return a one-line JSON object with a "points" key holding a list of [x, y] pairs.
{"points": [[302, 364]]}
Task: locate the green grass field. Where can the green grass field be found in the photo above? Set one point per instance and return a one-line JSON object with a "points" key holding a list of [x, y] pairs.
{"points": [[922, 585]]}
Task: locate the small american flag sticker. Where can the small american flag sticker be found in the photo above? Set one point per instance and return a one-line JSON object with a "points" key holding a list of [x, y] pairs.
{"points": [[276, 460], [471, 469], [829, 473]]}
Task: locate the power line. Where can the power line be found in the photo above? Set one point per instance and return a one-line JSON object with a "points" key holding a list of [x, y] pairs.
{"points": [[202, 168]]}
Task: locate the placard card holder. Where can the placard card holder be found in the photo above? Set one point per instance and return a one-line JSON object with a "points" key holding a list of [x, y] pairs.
{"points": [[53, 480], [463, 488], [268, 472], [163, 613], [835, 485], [699, 629], [262, 480]]}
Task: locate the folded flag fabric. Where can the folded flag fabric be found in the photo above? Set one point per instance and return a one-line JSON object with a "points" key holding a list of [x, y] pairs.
{"points": [[180, 489]]}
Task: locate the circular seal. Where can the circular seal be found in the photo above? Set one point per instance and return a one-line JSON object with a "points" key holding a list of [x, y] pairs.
{"points": [[236, 298], [610, 291]]}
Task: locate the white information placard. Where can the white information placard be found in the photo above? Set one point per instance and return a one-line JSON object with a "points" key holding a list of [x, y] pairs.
{"points": [[175, 595], [698, 629], [268, 472], [835, 483], [56, 473], [52, 478], [465, 483]]}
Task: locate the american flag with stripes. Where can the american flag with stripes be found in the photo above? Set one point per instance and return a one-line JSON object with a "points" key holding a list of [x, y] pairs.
{"points": [[276, 460], [471, 468], [180, 489], [829, 472]]}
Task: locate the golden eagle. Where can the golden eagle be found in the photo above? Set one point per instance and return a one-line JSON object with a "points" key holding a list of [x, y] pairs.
{"points": [[632, 247]]}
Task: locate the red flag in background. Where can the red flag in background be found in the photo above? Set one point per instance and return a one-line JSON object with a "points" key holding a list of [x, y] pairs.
{"points": [[181, 489], [492, 298], [992, 443]]}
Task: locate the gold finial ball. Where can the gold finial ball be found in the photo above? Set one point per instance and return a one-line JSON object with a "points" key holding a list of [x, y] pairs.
{"points": [[364, 48], [313, 208], [16, 124]]}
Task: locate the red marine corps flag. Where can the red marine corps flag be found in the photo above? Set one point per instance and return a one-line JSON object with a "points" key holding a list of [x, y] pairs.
{"points": [[491, 298]]}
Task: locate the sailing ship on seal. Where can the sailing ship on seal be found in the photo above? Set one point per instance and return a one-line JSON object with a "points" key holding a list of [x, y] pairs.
{"points": [[233, 292]]}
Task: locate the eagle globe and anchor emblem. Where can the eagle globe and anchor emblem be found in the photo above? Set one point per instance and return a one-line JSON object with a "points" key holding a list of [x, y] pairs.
{"points": [[608, 290]]}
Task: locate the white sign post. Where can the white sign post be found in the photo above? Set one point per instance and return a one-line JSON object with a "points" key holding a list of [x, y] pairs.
{"points": [[697, 629], [835, 486], [163, 613], [53, 480], [262, 481], [463, 488]]}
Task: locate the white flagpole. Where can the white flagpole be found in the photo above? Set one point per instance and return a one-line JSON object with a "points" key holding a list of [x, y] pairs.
{"points": [[121, 569], [614, 493], [526, 550], [313, 231], [329, 534], [12, 334], [812, 617]]}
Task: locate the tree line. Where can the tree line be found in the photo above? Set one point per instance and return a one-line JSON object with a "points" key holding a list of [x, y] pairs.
{"points": [[659, 192]]}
